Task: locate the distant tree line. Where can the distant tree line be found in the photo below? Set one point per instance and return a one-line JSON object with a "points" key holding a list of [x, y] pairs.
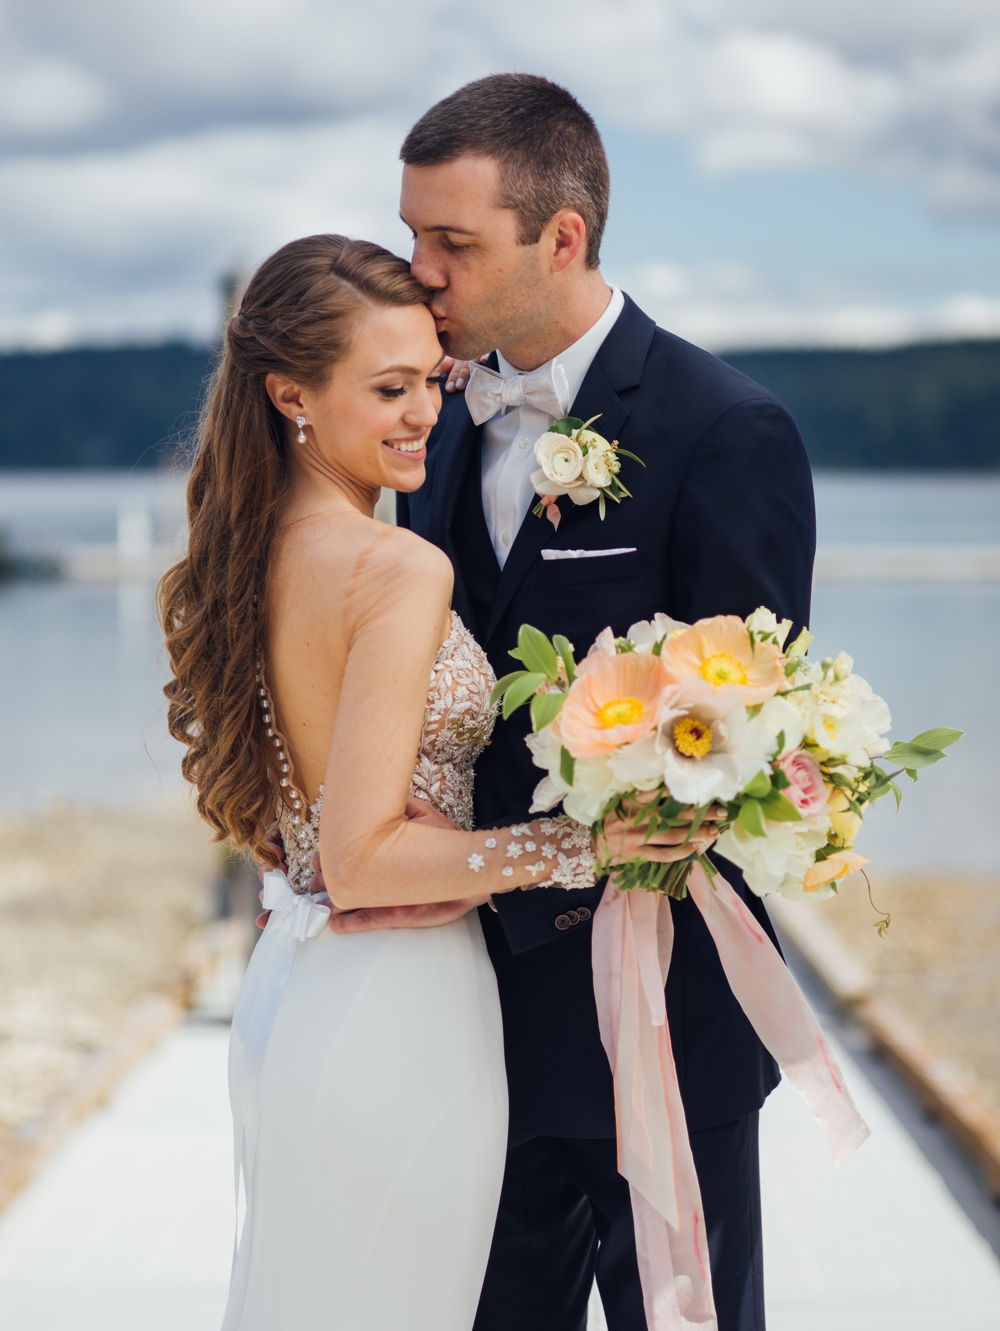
{"points": [[921, 407], [929, 407]]}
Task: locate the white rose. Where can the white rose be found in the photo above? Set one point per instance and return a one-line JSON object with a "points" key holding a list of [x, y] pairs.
{"points": [[560, 458], [583, 494], [596, 469]]}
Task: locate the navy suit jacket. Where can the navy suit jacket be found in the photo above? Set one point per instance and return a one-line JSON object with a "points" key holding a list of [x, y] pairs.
{"points": [[722, 519]]}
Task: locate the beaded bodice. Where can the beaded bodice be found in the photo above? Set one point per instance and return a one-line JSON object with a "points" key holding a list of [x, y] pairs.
{"points": [[458, 722]]}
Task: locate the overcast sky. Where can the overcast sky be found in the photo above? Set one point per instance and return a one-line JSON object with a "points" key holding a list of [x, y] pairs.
{"points": [[782, 172]]}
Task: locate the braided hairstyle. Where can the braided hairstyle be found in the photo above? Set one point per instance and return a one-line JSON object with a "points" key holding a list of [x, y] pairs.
{"points": [[297, 318]]}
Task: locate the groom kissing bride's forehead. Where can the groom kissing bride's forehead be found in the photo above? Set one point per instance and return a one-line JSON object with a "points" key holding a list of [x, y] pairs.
{"points": [[505, 189]]}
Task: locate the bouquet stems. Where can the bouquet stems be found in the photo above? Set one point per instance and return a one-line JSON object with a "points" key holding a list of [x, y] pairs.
{"points": [[668, 879]]}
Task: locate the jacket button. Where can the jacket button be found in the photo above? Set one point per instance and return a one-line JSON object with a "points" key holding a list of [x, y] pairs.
{"points": [[563, 922], [583, 913]]}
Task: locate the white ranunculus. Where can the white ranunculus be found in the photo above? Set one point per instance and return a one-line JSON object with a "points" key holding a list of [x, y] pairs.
{"points": [[764, 621], [777, 862], [560, 458], [583, 494], [596, 468], [646, 634]]}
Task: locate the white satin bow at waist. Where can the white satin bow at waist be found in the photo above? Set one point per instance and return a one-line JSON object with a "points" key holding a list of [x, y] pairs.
{"points": [[303, 913], [294, 919]]}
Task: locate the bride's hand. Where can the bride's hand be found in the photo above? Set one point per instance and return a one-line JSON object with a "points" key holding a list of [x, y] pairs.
{"points": [[622, 841], [458, 372], [401, 917]]}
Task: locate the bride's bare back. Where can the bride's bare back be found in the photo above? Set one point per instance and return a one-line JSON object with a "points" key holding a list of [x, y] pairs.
{"points": [[331, 576]]}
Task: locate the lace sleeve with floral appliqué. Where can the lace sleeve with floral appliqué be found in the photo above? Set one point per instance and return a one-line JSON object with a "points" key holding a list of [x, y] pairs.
{"points": [[567, 843]]}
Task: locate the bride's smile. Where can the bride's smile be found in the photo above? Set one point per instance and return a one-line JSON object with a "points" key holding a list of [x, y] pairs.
{"points": [[365, 425]]}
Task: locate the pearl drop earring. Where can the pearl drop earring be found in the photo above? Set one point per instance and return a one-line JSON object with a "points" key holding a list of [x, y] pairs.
{"points": [[300, 422]]}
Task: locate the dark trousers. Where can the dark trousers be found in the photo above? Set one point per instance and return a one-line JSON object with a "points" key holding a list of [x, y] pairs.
{"points": [[565, 1217]]}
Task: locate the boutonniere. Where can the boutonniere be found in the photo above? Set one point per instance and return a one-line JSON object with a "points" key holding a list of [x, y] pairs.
{"points": [[575, 460]]}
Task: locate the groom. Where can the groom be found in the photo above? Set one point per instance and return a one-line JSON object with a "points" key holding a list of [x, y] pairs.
{"points": [[505, 188]]}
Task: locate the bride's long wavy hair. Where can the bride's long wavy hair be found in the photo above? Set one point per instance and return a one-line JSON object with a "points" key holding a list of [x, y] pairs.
{"points": [[297, 318]]}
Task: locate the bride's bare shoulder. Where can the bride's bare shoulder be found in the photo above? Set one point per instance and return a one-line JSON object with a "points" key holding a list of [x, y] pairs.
{"points": [[400, 560]]}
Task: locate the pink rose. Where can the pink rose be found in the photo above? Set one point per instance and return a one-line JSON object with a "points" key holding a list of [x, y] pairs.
{"points": [[807, 791]]}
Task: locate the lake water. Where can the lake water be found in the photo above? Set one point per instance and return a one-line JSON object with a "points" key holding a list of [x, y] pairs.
{"points": [[81, 665]]}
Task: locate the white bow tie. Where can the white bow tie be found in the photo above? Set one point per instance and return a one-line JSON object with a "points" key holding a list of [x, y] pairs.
{"points": [[489, 392]]}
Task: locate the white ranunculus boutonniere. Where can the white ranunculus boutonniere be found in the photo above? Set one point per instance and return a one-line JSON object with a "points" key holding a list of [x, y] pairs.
{"points": [[575, 460]]}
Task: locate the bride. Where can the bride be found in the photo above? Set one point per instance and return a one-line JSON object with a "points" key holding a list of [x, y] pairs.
{"points": [[318, 671]]}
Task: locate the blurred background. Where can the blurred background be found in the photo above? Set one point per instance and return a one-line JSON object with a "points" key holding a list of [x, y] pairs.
{"points": [[810, 192]]}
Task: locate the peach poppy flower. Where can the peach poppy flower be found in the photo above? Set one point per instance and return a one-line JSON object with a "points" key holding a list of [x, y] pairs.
{"points": [[614, 700], [840, 865], [717, 654]]}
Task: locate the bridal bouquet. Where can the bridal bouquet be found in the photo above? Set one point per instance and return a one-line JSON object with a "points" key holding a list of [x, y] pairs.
{"points": [[682, 717]]}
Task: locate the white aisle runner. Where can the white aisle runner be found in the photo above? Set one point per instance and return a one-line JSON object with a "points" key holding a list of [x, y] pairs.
{"points": [[129, 1228]]}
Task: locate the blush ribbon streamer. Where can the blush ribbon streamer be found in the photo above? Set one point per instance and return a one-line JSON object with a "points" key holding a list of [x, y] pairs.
{"points": [[632, 944]]}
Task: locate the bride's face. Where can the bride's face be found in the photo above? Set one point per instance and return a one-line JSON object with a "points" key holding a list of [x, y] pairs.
{"points": [[368, 424]]}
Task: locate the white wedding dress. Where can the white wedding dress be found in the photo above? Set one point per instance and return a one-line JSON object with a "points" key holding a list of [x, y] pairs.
{"points": [[368, 1085]]}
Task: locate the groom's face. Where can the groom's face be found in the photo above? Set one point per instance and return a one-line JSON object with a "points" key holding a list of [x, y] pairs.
{"points": [[490, 290]]}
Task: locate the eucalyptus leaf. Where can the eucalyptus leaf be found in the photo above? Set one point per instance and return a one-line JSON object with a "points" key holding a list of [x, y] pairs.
{"points": [[521, 690], [545, 707]]}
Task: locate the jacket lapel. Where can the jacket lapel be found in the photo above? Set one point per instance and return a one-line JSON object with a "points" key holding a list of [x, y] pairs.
{"points": [[452, 458], [616, 367]]}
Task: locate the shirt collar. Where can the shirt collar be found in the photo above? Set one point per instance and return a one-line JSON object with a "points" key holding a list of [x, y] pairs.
{"points": [[576, 360]]}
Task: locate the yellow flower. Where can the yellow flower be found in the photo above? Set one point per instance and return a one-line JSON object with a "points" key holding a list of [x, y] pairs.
{"points": [[837, 866], [844, 822]]}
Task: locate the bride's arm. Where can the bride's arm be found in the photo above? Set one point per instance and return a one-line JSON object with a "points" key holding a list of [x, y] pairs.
{"points": [[371, 854]]}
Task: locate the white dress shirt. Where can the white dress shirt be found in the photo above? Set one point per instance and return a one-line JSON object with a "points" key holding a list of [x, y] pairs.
{"points": [[509, 437]]}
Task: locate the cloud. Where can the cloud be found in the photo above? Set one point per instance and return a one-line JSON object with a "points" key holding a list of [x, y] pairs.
{"points": [[896, 86], [133, 241], [145, 148], [734, 307]]}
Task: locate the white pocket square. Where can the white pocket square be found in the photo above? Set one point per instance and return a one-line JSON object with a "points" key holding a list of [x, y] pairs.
{"points": [[587, 554]]}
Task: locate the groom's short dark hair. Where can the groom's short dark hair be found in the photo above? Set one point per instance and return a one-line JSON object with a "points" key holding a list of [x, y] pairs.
{"points": [[548, 148]]}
